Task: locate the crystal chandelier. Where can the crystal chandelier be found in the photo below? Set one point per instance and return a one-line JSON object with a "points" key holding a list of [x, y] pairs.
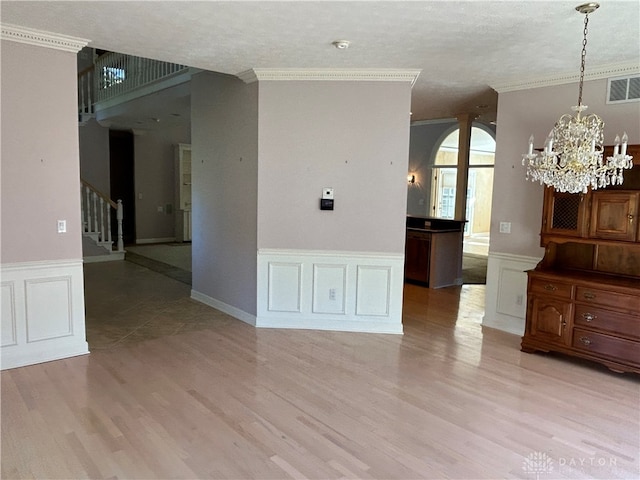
{"points": [[572, 159]]}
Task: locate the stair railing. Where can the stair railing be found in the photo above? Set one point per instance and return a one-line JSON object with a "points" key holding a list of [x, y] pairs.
{"points": [[86, 92], [96, 215]]}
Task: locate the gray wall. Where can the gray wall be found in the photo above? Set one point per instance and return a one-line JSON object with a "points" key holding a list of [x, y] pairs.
{"points": [[350, 136], [94, 155], [154, 180], [424, 142], [224, 119], [534, 111], [40, 154]]}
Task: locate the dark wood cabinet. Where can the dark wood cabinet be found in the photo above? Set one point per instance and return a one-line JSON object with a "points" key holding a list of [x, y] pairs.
{"points": [[433, 251], [417, 253], [565, 213], [583, 298], [614, 215]]}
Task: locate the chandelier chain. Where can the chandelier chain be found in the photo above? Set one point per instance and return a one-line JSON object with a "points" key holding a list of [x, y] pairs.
{"points": [[583, 56]]}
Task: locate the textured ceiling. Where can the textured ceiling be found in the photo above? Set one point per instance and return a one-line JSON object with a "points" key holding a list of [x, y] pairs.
{"points": [[462, 47]]}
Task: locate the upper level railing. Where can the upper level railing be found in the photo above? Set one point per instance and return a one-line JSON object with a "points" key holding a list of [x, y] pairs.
{"points": [[115, 74]]}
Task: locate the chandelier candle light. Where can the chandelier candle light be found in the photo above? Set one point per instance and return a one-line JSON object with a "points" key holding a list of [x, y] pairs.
{"points": [[572, 157]]}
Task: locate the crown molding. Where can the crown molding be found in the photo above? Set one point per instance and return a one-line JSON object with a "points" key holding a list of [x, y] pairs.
{"points": [[331, 74], [41, 38], [618, 70]]}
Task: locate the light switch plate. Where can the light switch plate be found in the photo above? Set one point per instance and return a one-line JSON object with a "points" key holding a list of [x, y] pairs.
{"points": [[62, 226], [505, 227]]}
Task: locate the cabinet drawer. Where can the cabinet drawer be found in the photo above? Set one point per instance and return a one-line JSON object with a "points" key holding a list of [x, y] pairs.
{"points": [[612, 347], [603, 297], [551, 287], [608, 320]]}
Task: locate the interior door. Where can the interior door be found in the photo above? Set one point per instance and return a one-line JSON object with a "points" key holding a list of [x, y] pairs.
{"points": [[122, 184]]}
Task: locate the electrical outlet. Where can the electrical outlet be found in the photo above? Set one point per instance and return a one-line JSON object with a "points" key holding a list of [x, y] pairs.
{"points": [[332, 294], [505, 227], [519, 299]]}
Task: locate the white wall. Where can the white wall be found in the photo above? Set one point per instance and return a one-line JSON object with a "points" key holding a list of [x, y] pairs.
{"points": [[42, 284], [224, 126], [516, 200]]}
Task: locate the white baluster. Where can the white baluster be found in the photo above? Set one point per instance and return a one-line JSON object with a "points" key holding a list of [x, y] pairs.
{"points": [[82, 207], [109, 224], [95, 211], [101, 220], [90, 89], [119, 217], [88, 209]]}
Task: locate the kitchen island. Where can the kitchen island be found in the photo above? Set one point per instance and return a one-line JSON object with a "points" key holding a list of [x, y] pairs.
{"points": [[433, 251]]}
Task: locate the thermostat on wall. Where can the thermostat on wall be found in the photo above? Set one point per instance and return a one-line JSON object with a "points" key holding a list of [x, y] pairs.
{"points": [[326, 202]]}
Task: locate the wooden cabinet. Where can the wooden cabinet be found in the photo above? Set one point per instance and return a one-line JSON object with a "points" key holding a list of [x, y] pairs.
{"points": [[583, 298], [417, 253], [600, 320], [565, 213], [614, 215], [433, 251]]}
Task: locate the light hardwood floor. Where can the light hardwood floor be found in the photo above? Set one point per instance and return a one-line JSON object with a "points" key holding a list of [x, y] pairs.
{"points": [[174, 389]]}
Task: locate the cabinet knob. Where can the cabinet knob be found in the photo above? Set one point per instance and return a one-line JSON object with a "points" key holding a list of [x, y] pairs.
{"points": [[630, 217], [550, 287], [589, 316], [589, 295], [585, 340]]}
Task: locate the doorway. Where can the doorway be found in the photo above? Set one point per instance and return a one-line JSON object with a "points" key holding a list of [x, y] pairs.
{"points": [[122, 182]]}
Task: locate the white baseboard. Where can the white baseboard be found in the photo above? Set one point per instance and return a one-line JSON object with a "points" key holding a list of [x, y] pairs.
{"points": [[42, 312], [142, 241], [506, 292], [223, 307]]}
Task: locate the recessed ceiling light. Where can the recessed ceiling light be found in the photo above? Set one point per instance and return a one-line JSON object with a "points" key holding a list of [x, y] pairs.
{"points": [[341, 44]]}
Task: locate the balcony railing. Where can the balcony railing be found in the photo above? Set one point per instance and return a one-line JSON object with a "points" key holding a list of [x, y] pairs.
{"points": [[115, 74]]}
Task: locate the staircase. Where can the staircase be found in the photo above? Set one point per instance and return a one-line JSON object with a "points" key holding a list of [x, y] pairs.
{"points": [[97, 208]]}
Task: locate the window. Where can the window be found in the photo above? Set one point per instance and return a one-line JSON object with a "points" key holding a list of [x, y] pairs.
{"points": [[480, 182], [112, 76]]}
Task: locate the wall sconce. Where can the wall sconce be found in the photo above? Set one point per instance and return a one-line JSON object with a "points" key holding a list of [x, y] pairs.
{"points": [[411, 178]]}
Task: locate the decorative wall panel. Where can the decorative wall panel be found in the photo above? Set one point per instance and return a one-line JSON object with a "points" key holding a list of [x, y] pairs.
{"points": [[506, 291], [42, 312], [373, 287], [329, 286], [8, 326], [284, 287], [330, 290]]}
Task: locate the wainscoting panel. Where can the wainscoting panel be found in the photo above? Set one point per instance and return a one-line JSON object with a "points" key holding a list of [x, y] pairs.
{"points": [[42, 312], [49, 308], [373, 289], [344, 291], [506, 292], [285, 285], [8, 326], [329, 287]]}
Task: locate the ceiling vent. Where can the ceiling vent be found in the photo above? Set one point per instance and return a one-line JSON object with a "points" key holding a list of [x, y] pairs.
{"points": [[626, 89]]}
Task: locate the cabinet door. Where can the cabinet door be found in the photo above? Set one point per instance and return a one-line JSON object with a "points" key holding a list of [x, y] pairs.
{"points": [[416, 258], [565, 213], [614, 215], [550, 319]]}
